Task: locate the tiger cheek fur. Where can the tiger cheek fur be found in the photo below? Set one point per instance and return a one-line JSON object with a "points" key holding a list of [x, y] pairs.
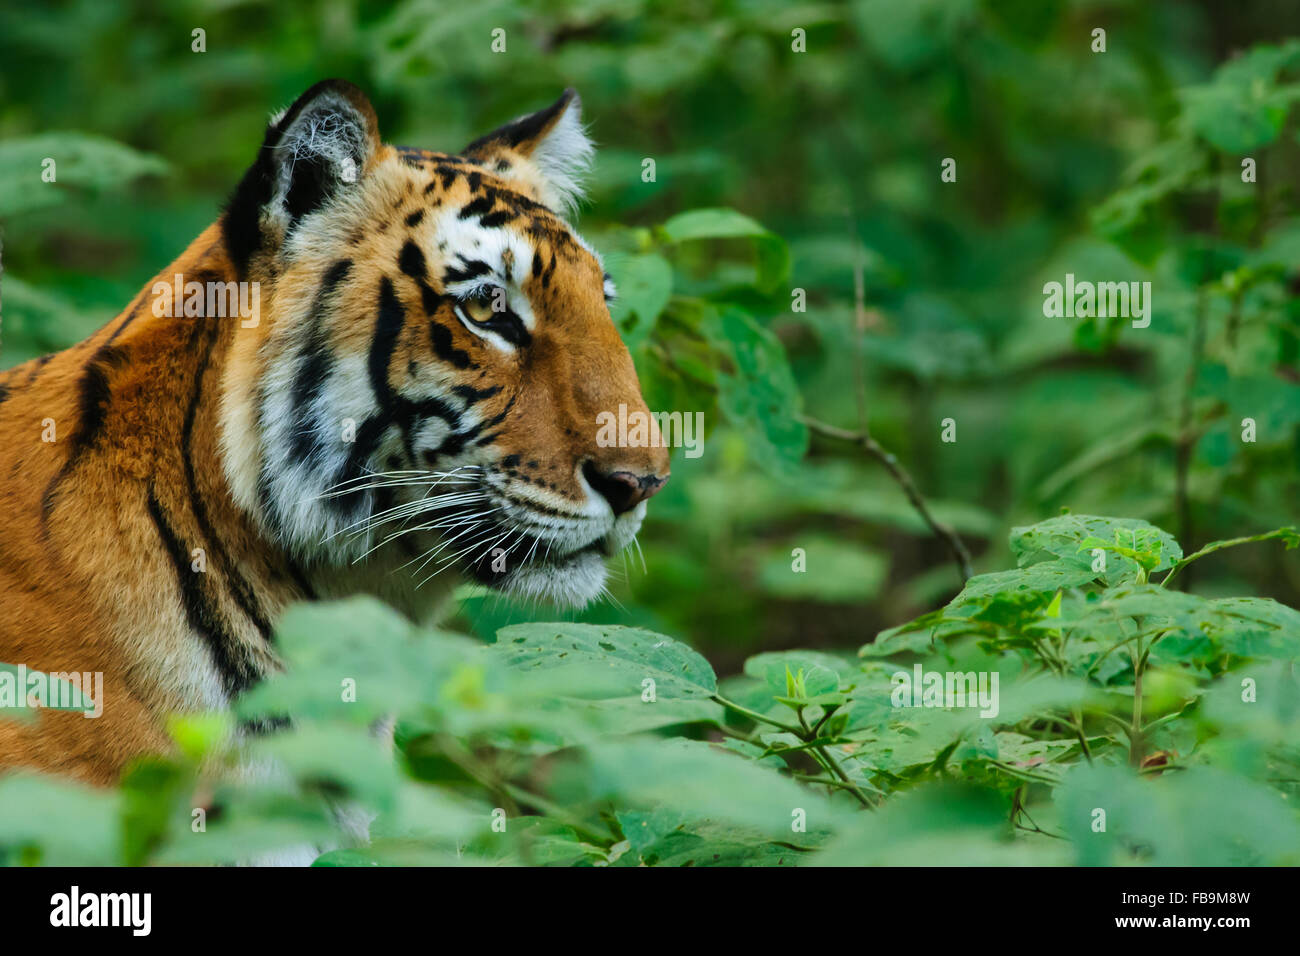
{"points": [[413, 402]]}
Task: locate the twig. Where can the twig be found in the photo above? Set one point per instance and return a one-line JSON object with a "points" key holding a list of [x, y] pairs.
{"points": [[1286, 534], [1187, 434], [827, 760], [873, 448], [862, 437], [859, 327]]}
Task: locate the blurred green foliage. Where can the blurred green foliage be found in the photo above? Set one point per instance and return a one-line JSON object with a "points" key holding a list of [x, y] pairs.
{"points": [[818, 171]]}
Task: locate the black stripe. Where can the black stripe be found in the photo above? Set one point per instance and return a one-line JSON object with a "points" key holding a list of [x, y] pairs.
{"points": [[411, 261], [353, 500], [37, 365], [130, 316], [490, 423], [264, 726], [92, 402], [315, 366], [518, 204], [472, 395], [473, 268], [440, 336], [388, 326], [239, 587], [478, 207], [231, 661], [299, 578]]}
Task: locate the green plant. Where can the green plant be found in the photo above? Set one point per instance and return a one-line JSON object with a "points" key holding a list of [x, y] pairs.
{"points": [[607, 745]]}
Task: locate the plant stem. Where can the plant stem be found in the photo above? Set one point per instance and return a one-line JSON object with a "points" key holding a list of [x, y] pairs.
{"points": [[756, 716], [1287, 533], [904, 480], [824, 781], [1076, 721], [828, 761], [528, 798], [1135, 729], [1187, 435]]}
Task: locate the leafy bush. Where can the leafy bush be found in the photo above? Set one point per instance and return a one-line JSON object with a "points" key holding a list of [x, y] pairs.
{"points": [[1131, 723]]}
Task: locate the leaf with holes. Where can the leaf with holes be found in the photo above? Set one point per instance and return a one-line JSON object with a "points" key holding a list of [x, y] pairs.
{"points": [[625, 655], [756, 389], [645, 284]]}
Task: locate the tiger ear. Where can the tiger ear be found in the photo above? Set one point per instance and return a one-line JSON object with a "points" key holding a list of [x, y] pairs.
{"points": [[314, 150], [547, 152]]}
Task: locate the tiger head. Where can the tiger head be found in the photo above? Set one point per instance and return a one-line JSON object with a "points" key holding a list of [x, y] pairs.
{"points": [[433, 353]]}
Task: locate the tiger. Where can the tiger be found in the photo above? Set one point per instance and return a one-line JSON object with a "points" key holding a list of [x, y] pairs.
{"points": [[411, 404]]}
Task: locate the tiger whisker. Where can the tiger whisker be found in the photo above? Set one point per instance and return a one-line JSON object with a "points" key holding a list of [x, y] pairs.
{"points": [[418, 506]]}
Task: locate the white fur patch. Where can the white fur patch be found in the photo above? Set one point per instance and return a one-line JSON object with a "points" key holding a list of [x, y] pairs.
{"points": [[562, 158]]}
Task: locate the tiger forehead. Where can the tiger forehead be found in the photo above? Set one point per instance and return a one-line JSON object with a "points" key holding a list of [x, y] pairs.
{"points": [[485, 197], [464, 203]]}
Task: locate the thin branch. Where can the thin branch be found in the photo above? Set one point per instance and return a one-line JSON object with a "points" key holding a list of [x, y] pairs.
{"points": [[900, 475], [859, 326], [1187, 432], [862, 437], [1287, 534]]}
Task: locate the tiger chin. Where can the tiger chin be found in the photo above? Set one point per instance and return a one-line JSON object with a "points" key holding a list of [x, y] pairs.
{"points": [[379, 371]]}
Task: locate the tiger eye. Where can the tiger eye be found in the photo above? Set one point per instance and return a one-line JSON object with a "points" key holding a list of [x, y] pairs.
{"points": [[478, 310]]}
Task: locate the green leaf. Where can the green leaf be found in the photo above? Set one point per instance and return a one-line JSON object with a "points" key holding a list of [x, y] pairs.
{"points": [[1255, 627], [336, 757], [1046, 577], [757, 391], [821, 671], [668, 838], [773, 254], [626, 656], [645, 284], [81, 161], [1063, 537], [358, 660], [938, 825], [255, 822], [1196, 817], [699, 780], [70, 824], [711, 224], [1243, 108]]}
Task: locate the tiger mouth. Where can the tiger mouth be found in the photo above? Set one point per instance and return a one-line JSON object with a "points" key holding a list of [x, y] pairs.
{"points": [[464, 524], [529, 552]]}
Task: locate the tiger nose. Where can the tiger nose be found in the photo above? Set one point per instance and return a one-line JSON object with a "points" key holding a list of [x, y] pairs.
{"points": [[622, 489]]}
